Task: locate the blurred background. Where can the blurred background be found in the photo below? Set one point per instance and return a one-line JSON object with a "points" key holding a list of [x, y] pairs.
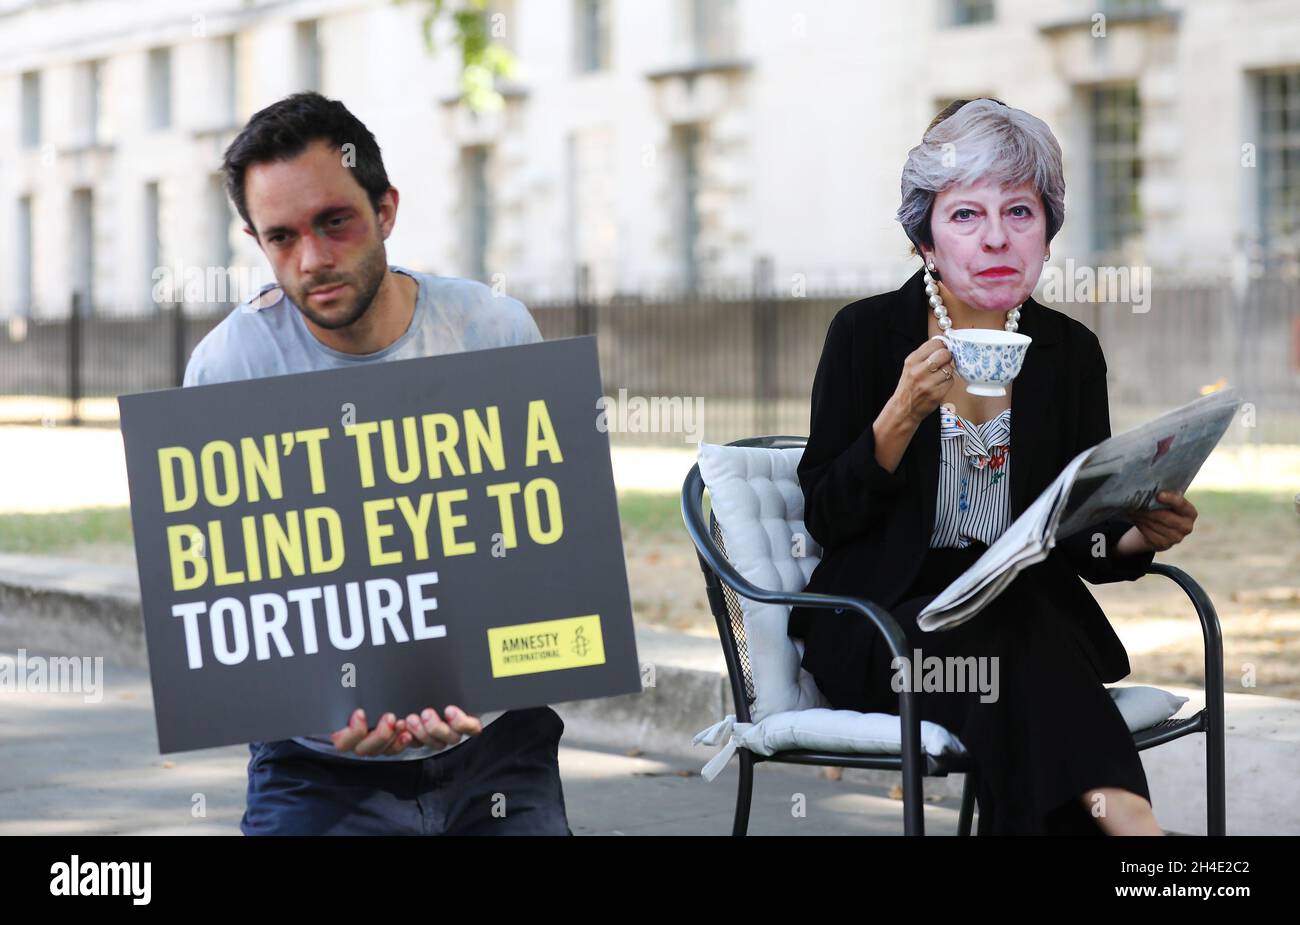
{"points": [[699, 183]]}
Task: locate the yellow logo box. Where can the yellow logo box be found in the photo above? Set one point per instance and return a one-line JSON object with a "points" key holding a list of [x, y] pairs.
{"points": [[548, 645]]}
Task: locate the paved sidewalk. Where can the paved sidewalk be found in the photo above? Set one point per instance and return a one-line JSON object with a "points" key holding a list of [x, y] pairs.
{"points": [[66, 607], [57, 606], [71, 767]]}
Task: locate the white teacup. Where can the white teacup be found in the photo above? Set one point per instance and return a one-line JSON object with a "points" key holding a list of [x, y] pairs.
{"points": [[986, 359]]}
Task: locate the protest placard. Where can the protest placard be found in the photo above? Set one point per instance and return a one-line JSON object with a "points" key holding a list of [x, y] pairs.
{"points": [[393, 536]]}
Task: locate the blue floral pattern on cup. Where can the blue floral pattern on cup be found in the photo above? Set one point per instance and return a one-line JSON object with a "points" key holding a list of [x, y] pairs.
{"points": [[985, 365]]}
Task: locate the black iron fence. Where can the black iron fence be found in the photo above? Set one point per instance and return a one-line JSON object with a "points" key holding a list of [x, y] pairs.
{"points": [[680, 369]]}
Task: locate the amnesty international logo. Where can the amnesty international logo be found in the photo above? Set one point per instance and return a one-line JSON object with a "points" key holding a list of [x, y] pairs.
{"points": [[548, 645]]}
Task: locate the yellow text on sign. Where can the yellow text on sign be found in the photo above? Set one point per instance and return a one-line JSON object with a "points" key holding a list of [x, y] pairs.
{"points": [[548, 645]]}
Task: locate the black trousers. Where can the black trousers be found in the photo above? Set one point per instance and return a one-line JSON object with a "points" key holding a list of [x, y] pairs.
{"points": [[1050, 732]]}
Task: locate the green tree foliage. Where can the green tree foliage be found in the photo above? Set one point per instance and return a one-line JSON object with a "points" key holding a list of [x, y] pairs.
{"points": [[476, 31]]}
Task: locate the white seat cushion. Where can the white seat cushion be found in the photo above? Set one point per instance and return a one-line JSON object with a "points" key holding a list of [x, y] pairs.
{"points": [[852, 733], [1144, 707], [820, 729]]}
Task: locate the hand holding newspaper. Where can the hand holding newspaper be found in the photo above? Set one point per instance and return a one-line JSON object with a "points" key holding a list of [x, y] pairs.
{"points": [[1120, 474]]}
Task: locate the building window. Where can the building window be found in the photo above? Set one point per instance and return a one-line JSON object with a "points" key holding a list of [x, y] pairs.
{"points": [[1278, 173], [89, 102], [152, 232], [1129, 7], [712, 29], [686, 223], [969, 12], [220, 217], [227, 80], [309, 55], [591, 35], [1116, 118], [571, 215], [31, 109], [160, 88], [83, 249], [25, 257], [590, 224], [477, 210]]}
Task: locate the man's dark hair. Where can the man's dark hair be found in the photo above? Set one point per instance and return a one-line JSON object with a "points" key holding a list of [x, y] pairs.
{"points": [[283, 130]]}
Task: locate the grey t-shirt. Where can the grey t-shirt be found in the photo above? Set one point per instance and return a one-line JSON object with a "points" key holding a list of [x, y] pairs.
{"points": [[451, 316]]}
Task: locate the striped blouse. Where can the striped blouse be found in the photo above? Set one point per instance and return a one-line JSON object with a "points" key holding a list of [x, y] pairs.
{"points": [[974, 494]]}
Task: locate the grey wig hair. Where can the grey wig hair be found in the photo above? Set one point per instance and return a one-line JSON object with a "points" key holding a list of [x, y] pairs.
{"points": [[978, 140]]}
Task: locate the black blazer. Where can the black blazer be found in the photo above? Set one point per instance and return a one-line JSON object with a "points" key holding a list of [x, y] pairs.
{"points": [[874, 526]]}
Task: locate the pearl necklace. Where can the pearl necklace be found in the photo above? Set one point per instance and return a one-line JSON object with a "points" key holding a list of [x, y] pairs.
{"points": [[932, 290]]}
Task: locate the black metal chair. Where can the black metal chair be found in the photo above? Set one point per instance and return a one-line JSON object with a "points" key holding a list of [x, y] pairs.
{"points": [[725, 586]]}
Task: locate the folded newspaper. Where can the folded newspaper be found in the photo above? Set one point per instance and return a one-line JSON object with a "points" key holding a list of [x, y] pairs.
{"points": [[1120, 474]]}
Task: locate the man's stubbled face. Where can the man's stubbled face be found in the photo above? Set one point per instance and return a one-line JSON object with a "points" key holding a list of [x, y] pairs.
{"points": [[320, 232]]}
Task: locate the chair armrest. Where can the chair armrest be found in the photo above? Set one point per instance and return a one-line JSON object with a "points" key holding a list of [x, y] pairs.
{"points": [[1211, 632], [693, 517], [1214, 716]]}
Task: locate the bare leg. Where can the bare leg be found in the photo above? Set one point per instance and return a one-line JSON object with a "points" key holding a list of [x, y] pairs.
{"points": [[1121, 812]]}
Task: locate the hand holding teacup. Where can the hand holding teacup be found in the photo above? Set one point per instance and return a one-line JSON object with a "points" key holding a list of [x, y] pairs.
{"points": [[925, 381], [985, 358]]}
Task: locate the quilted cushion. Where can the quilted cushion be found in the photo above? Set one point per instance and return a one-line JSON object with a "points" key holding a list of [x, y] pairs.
{"points": [[758, 503]]}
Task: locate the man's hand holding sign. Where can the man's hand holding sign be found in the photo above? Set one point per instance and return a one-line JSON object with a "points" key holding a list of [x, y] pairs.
{"points": [[392, 734], [305, 565]]}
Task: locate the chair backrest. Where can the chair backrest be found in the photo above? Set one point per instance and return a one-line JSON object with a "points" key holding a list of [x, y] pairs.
{"points": [[756, 526], [730, 618]]}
